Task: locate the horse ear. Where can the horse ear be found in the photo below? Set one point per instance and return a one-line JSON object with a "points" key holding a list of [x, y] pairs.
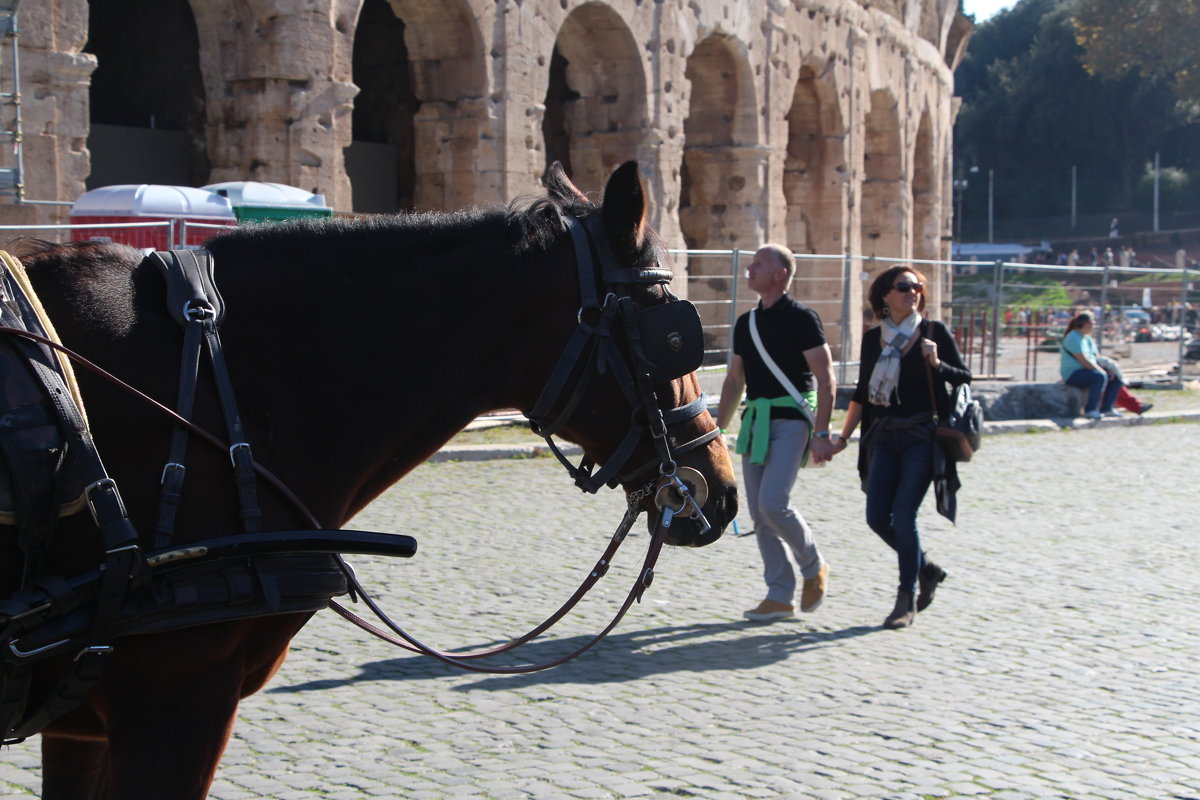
{"points": [[625, 203], [560, 187]]}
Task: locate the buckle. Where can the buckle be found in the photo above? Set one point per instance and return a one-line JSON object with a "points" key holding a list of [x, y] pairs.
{"points": [[103, 483], [94, 650], [171, 465], [235, 447]]}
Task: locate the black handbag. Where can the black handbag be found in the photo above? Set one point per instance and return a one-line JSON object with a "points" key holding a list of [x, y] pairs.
{"points": [[961, 433]]}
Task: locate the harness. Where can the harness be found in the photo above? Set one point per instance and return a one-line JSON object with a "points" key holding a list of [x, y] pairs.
{"points": [[663, 343], [261, 573], [132, 591]]}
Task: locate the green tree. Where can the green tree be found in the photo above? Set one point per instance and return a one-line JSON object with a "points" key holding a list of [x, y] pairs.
{"points": [[1031, 111], [1152, 38]]}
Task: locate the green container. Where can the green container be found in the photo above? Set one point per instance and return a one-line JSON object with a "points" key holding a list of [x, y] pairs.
{"points": [[256, 201], [277, 214]]}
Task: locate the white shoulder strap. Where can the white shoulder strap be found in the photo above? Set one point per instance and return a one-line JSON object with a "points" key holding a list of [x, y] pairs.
{"points": [[771, 365]]}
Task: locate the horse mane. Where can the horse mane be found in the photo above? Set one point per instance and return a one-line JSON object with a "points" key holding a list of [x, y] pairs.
{"points": [[525, 225], [97, 275]]}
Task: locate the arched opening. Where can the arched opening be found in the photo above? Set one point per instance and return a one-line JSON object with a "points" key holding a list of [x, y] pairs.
{"points": [[926, 228], [883, 202], [596, 97], [147, 94], [721, 178], [814, 171], [815, 191], [559, 95], [721, 188], [380, 160], [422, 109]]}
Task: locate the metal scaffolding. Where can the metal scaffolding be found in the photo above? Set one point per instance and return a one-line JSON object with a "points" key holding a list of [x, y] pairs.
{"points": [[12, 164]]}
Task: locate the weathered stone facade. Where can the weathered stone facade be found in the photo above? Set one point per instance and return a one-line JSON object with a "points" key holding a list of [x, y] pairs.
{"points": [[825, 124]]}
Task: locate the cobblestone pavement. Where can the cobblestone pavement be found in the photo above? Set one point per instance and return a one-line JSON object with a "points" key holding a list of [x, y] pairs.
{"points": [[1059, 660]]}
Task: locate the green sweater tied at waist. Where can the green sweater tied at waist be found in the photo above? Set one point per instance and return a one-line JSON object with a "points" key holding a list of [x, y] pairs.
{"points": [[755, 435]]}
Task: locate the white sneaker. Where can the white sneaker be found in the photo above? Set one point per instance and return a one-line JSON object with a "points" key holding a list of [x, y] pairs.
{"points": [[1112, 413], [1093, 414]]}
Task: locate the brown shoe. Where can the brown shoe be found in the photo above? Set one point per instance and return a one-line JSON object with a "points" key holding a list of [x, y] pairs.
{"points": [[904, 614], [814, 590], [769, 611]]}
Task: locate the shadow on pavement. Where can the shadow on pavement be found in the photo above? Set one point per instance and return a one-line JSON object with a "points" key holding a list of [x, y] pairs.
{"points": [[620, 657]]}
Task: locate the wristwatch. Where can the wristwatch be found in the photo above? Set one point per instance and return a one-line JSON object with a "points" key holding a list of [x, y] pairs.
{"points": [[822, 434]]}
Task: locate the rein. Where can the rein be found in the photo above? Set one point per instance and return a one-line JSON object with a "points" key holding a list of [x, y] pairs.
{"points": [[644, 333], [671, 495]]}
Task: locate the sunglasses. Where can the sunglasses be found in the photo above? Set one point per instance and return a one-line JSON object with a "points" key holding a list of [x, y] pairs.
{"points": [[906, 287]]}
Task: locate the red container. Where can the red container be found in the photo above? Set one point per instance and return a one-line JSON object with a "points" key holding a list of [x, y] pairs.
{"points": [[188, 214]]}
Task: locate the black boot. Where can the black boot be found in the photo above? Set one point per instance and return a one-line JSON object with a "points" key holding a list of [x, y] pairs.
{"points": [[928, 579], [904, 614]]}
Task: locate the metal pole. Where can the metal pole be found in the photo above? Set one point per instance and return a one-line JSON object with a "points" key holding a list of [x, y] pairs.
{"points": [[999, 304], [18, 132], [990, 207], [1183, 287], [845, 318], [1103, 306], [1074, 196], [1156, 174], [733, 294]]}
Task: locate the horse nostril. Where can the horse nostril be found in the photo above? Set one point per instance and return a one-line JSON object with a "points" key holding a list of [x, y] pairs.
{"points": [[731, 503]]}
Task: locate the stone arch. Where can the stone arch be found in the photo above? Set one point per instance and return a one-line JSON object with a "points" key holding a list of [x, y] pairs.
{"points": [[147, 99], [596, 112], [381, 160], [442, 59], [814, 170], [883, 202], [815, 192], [721, 171], [926, 242]]}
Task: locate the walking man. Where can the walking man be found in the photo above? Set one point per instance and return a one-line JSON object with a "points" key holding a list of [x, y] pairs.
{"points": [[782, 427]]}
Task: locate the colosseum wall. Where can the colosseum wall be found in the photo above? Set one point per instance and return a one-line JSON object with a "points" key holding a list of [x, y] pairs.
{"points": [[825, 124]]}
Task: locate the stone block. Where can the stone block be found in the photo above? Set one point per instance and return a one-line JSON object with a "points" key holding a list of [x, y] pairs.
{"points": [[1033, 401]]}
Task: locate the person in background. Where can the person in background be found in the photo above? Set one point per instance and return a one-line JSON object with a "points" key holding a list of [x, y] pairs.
{"points": [[906, 367], [1080, 368], [780, 432]]}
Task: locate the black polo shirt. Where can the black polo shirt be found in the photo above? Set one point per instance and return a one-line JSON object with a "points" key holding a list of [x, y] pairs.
{"points": [[787, 329]]}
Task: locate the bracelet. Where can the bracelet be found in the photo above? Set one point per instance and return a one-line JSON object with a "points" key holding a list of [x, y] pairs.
{"points": [[822, 434]]}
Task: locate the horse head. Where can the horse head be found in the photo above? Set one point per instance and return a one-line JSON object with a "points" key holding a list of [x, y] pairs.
{"points": [[625, 388]]}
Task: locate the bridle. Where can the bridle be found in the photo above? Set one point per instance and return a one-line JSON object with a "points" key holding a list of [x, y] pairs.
{"points": [[662, 343]]}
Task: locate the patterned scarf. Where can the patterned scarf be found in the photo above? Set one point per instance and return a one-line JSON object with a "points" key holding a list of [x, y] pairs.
{"points": [[886, 374]]}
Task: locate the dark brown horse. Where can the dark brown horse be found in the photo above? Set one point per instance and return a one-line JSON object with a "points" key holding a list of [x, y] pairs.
{"points": [[357, 348]]}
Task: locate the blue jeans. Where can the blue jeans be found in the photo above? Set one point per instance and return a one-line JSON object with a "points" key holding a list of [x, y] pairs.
{"points": [[1101, 391], [897, 480]]}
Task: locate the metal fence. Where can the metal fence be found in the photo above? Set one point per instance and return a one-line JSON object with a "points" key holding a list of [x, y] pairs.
{"points": [[984, 303]]}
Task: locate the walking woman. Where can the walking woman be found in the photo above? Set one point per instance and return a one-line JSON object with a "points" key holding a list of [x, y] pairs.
{"points": [[907, 363]]}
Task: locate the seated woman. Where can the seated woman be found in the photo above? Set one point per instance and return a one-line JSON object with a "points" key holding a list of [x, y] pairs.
{"points": [[1079, 367]]}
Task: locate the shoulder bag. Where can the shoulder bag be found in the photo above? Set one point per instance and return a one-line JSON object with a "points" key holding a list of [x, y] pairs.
{"points": [[961, 433]]}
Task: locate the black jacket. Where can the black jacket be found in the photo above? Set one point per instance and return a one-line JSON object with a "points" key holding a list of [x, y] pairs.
{"points": [[914, 398]]}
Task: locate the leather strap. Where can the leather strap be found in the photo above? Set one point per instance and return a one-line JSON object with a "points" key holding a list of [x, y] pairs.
{"points": [[194, 302]]}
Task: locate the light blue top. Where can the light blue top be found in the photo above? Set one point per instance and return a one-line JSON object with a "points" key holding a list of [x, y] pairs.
{"points": [[1076, 342]]}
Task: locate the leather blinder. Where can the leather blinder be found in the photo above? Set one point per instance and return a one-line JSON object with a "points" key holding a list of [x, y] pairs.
{"points": [[672, 339]]}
